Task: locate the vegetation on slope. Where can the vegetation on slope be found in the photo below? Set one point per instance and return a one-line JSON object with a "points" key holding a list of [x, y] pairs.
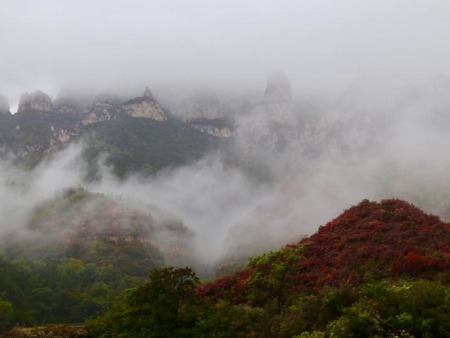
{"points": [[378, 270], [145, 145], [131, 145], [80, 251]]}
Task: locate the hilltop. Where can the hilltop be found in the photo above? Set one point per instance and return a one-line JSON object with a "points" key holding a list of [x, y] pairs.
{"points": [[101, 230], [372, 240]]}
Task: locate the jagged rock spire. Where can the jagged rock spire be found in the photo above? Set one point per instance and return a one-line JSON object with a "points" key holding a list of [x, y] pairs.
{"points": [[146, 107], [148, 93], [277, 105]]}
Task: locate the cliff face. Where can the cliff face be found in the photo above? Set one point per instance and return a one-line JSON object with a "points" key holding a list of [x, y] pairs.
{"points": [[223, 132], [218, 127], [37, 101], [104, 108], [145, 106], [272, 123], [277, 106]]}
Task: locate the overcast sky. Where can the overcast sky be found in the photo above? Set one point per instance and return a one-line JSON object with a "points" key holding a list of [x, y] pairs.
{"points": [[320, 45]]}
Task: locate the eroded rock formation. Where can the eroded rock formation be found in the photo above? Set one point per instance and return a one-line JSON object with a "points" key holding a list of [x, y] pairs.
{"points": [[145, 106], [37, 101]]}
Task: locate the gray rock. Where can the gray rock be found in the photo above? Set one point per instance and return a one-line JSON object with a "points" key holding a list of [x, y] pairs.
{"points": [[104, 108], [145, 106], [37, 101], [148, 93], [219, 127], [277, 106]]}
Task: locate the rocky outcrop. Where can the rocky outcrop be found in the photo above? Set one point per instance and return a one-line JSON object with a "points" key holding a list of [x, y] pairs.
{"points": [[4, 105], [37, 101], [148, 93], [104, 108], [218, 127], [145, 106], [277, 106], [272, 123]]}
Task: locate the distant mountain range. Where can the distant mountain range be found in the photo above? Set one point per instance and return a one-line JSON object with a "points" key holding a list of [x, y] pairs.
{"points": [[137, 135], [140, 135]]}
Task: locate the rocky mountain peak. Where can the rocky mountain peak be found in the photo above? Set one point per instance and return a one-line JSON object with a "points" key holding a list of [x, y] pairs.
{"points": [[277, 105], [103, 108], [148, 93], [4, 104], [278, 88], [37, 101], [145, 106]]}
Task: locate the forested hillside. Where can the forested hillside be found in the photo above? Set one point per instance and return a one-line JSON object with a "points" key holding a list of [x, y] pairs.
{"points": [[379, 269]]}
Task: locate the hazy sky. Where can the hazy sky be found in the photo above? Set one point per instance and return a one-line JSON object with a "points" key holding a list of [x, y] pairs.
{"points": [[48, 44]]}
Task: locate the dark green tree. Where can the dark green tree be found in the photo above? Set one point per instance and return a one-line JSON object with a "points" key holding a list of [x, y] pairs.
{"points": [[270, 275], [164, 304]]}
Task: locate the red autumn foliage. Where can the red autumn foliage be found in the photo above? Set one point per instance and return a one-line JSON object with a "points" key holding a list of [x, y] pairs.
{"points": [[232, 288], [389, 239]]}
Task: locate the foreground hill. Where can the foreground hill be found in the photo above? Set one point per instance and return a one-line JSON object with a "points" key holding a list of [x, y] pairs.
{"points": [[390, 239], [380, 269]]}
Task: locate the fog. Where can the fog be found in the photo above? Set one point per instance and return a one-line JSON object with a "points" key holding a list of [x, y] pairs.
{"points": [[232, 214], [322, 45], [362, 79]]}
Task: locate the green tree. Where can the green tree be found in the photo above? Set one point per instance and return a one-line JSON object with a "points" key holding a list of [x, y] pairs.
{"points": [[163, 304], [6, 315], [269, 278]]}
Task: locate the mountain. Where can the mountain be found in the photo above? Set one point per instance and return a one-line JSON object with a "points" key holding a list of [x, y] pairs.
{"points": [[37, 101], [137, 135], [390, 239]]}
